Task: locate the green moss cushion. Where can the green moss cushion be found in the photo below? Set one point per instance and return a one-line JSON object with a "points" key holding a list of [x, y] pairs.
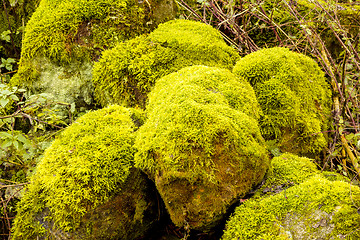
{"points": [[201, 152], [64, 38], [126, 73], [58, 29], [206, 84], [317, 208], [294, 96], [87, 166], [287, 170]]}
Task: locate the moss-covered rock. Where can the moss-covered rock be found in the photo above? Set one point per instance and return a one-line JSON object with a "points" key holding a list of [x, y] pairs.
{"points": [[85, 187], [201, 153], [315, 209], [127, 73], [287, 170], [198, 81], [294, 96], [70, 35]]}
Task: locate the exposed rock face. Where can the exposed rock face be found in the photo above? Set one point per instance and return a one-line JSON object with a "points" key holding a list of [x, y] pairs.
{"points": [[200, 151], [305, 205], [294, 96], [85, 186], [128, 72], [64, 38]]}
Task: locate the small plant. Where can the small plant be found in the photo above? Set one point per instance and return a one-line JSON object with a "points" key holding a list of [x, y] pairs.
{"points": [[27, 127]]}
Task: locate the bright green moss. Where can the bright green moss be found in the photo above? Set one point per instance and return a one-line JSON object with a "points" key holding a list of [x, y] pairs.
{"points": [[58, 28], [287, 170], [73, 31], [201, 81], [199, 145], [294, 96], [317, 208], [192, 109], [84, 167], [127, 73]]}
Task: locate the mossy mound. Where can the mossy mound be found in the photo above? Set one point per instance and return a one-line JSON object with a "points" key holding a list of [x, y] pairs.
{"points": [[127, 73], [287, 170], [72, 34], [201, 153], [294, 96], [198, 81], [85, 187], [315, 209]]}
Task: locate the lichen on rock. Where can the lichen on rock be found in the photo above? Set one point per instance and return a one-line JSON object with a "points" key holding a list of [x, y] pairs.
{"points": [[87, 171], [316, 208], [200, 151], [294, 96], [128, 72]]}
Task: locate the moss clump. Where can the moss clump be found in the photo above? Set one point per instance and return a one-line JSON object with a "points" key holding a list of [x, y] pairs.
{"points": [[201, 81], [71, 35], [64, 30], [201, 152], [127, 73], [294, 96], [85, 167], [317, 208], [287, 170]]}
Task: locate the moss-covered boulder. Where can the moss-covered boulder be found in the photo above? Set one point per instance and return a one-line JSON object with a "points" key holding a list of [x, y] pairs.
{"points": [[64, 38], [294, 96], [288, 170], [315, 209], [201, 152], [85, 187], [127, 73]]}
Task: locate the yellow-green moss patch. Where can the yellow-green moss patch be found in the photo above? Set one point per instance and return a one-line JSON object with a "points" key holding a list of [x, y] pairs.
{"points": [[287, 170], [201, 152], [317, 208], [202, 81], [294, 96], [84, 167], [127, 73], [68, 36]]}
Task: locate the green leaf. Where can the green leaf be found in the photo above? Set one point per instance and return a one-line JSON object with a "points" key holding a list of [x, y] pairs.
{"points": [[6, 135], [13, 3], [23, 139], [5, 92], [72, 108], [7, 143], [16, 145], [14, 97], [4, 102], [5, 35]]}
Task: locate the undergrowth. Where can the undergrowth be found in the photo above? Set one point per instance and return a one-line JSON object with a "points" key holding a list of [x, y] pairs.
{"points": [[327, 31]]}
